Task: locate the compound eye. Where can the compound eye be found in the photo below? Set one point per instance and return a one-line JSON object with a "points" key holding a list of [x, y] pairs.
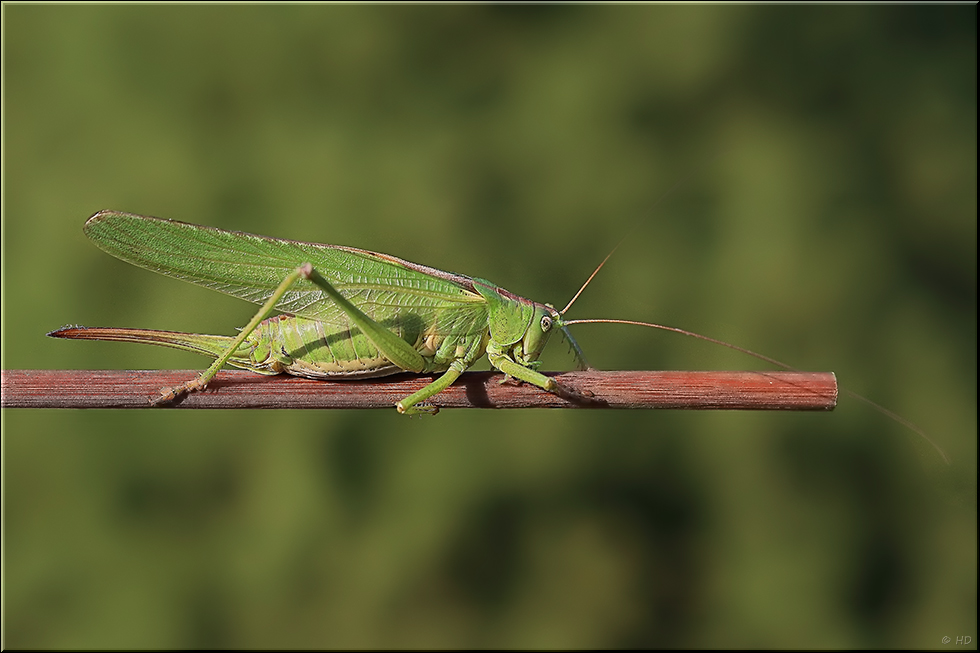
{"points": [[545, 323]]}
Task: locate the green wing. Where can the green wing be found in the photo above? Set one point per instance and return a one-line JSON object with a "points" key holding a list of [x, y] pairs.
{"points": [[251, 267]]}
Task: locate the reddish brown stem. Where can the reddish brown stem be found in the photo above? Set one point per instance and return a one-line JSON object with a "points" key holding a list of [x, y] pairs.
{"points": [[237, 389]]}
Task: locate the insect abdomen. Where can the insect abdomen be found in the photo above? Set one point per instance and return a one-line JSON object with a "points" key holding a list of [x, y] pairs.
{"points": [[286, 344], [309, 348]]}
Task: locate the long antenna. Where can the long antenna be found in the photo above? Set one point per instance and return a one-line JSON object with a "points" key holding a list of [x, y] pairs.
{"points": [[881, 409]]}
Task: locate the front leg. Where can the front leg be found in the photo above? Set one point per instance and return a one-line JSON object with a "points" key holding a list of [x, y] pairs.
{"points": [[516, 370]]}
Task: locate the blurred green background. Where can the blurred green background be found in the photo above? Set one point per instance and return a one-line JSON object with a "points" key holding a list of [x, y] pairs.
{"points": [[824, 159]]}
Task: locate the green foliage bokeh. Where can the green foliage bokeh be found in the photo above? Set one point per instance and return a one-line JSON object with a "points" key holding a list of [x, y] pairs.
{"points": [[799, 180]]}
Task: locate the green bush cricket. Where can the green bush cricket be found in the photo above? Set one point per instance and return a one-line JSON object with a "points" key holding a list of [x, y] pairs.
{"points": [[345, 313]]}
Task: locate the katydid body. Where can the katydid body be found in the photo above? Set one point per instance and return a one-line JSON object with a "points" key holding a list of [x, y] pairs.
{"points": [[347, 313]]}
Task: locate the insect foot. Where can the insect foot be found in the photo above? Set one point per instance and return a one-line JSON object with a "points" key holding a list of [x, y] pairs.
{"points": [[585, 397], [168, 395], [417, 409]]}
